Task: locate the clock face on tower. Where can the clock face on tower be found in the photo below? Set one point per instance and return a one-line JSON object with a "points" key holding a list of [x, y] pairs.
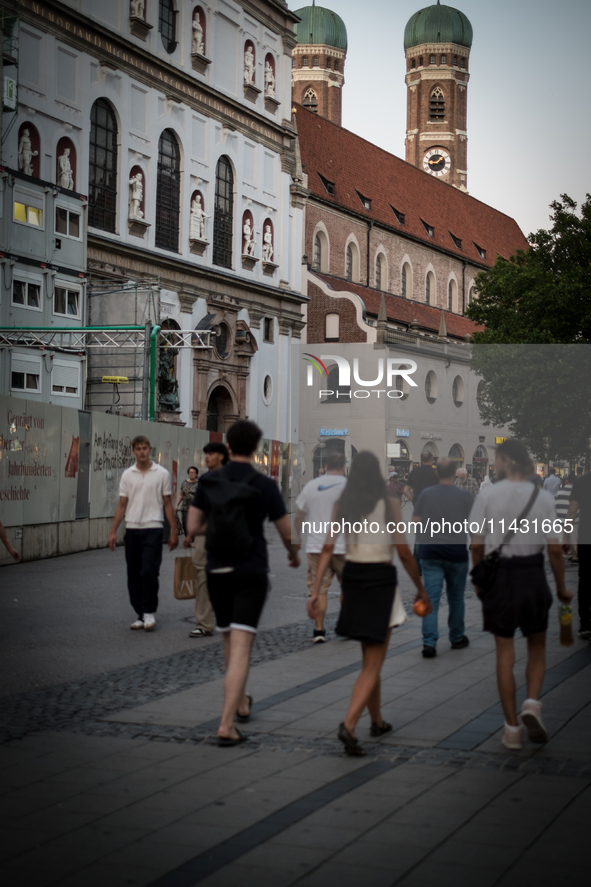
{"points": [[437, 162]]}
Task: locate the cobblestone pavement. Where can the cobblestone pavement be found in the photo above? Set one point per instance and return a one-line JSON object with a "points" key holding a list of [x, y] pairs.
{"points": [[115, 777]]}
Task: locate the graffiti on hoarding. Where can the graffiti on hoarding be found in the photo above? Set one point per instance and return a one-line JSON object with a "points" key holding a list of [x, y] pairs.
{"points": [[111, 452], [21, 469], [71, 469]]}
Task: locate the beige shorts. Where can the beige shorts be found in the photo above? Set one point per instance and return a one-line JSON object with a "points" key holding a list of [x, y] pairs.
{"points": [[335, 568]]}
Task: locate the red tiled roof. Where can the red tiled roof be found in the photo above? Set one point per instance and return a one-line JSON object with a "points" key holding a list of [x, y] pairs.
{"points": [[404, 311], [355, 166]]}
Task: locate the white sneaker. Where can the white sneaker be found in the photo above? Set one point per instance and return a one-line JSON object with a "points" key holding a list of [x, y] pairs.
{"points": [[149, 622], [531, 718], [512, 736], [139, 623]]}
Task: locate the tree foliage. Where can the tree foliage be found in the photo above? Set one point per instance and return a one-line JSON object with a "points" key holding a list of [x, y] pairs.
{"points": [[542, 295], [534, 356]]}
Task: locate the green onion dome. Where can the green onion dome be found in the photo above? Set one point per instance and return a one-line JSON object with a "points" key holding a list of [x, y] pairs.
{"points": [[320, 26], [438, 24]]}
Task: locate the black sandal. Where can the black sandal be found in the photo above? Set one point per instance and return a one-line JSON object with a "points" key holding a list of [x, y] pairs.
{"points": [[376, 730], [350, 742], [244, 718], [227, 740]]}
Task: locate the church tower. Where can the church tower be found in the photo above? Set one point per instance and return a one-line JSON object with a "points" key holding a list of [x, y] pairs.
{"points": [[318, 62], [437, 43]]}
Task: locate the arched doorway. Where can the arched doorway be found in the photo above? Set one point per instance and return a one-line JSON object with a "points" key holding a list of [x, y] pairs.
{"points": [[480, 461], [456, 454], [431, 448], [401, 463], [219, 407], [328, 448]]}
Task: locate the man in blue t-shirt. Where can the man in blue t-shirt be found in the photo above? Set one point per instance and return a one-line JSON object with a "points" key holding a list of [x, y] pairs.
{"points": [[443, 511]]}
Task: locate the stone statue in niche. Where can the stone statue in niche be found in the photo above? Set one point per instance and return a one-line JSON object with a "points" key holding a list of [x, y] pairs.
{"points": [[269, 81], [66, 176], [137, 8], [197, 45], [268, 244], [26, 153], [249, 66], [248, 240], [168, 387], [136, 195], [198, 217]]}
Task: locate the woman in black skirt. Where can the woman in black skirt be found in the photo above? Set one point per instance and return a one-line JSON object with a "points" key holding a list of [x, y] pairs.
{"points": [[367, 515]]}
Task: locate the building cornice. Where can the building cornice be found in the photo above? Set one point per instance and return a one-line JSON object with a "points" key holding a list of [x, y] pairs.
{"points": [[135, 261]]}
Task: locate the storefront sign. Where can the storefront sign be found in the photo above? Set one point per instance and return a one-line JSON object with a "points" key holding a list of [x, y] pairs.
{"points": [[500, 440], [402, 432], [429, 435], [333, 432], [393, 451]]}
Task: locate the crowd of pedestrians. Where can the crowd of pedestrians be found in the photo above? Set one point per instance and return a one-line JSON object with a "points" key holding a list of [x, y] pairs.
{"points": [[354, 530]]}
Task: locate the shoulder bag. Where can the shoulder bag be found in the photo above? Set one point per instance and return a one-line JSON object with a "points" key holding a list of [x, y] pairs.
{"points": [[483, 575]]}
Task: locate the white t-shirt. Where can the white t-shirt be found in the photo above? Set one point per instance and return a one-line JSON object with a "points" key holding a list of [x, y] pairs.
{"points": [[317, 501], [145, 491], [497, 506]]}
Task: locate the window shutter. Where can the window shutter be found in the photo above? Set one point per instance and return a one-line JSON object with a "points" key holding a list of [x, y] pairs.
{"points": [[22, 363], [66, 373]]}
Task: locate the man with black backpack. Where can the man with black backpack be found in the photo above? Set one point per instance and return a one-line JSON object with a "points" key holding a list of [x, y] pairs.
{"points": [[230, 508]]}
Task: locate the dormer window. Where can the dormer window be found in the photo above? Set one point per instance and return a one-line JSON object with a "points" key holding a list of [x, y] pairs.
{"points": [[365, 201], [400, 217], [329, 186], [456, 240], [481, 252], [429, 229]]}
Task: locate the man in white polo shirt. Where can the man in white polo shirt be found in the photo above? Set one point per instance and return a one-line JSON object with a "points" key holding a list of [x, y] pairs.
{"points": [[145, 495], [314, 506]]}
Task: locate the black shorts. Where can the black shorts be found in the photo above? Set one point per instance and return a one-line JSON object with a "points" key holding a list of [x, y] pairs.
{"points": [[520, 598], [237, 599]]}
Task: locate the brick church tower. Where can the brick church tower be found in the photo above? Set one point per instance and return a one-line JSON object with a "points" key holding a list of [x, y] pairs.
{"points": [[437, 43], [318, 61]]}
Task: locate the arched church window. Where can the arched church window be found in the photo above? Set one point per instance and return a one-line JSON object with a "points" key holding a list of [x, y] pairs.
{"points": [[304, 61], [462, 63], [315, 61], [444, 60], [432, 60], [430, 288], [420, 61], [223, 213], [102, 167], [168, 187], [437, 104], [336, 64], [317, 259], [404, 281], [328, 63], [413, 64], [349, 263], [378, 273], [311, 100], [455, 61]]}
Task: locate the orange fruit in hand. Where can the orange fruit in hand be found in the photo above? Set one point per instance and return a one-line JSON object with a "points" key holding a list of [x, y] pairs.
{"points": [[420, 607]]}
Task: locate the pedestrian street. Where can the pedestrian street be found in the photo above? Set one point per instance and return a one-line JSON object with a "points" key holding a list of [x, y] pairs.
{"points": [[113, 775]]}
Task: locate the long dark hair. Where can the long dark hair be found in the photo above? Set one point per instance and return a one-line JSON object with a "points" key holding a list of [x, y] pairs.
{"points": [[365, 487]]}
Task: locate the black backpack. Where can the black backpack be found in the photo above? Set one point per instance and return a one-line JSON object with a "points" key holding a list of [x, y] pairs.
{"points": [[232, 519]]}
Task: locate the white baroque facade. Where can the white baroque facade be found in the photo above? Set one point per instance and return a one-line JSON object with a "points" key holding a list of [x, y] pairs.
{"points": [[176, 147]]}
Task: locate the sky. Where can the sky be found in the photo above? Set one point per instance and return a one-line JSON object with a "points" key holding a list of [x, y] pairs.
{"points": [[529, 95]]}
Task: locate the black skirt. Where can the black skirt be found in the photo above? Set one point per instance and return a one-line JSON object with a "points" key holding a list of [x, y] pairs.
{"points": [[368, 596]]}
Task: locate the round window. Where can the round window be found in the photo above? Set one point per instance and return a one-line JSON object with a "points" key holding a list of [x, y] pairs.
{"points": [[221, 341], [267, 389]]}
